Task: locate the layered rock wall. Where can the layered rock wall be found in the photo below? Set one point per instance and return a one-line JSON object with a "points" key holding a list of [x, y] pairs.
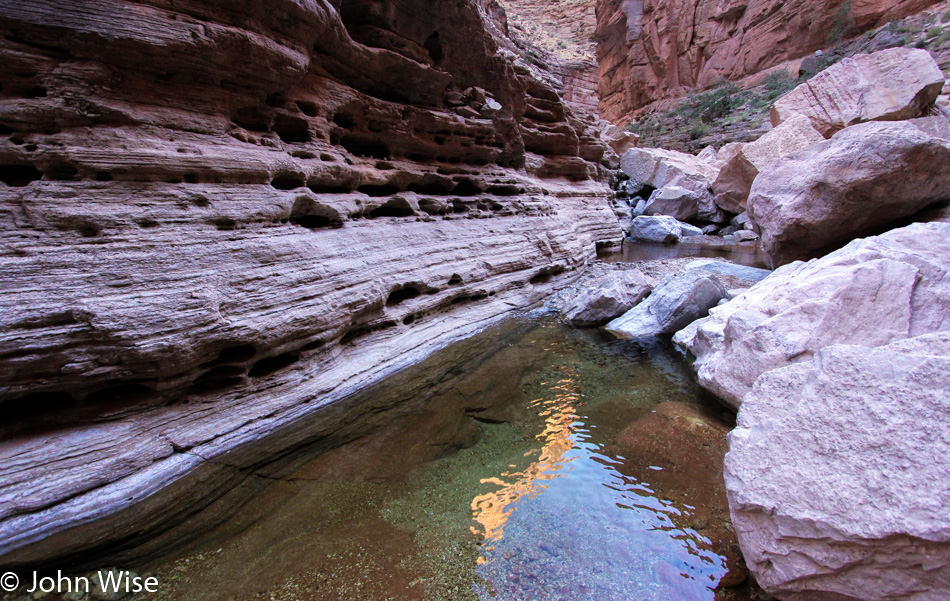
{"points": [[218, 217], [654, 49]]}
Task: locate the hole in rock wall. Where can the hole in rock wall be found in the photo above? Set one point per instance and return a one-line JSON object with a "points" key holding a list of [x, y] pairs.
{"points": [[269, 365], [402, 294], [37, 403], [345, 120], [18, 176], [380, 190], [292, 129], [365, 147], [221, 372], [236, 354], [541, 278], [288, 181], [88, 229], [455, 280], [466, 187], [128, 392], [394, 207], [307, 108], [434, 47]]}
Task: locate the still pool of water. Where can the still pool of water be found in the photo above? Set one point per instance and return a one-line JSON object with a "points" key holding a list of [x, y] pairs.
{"points": [[539, 462], [750, 255]]}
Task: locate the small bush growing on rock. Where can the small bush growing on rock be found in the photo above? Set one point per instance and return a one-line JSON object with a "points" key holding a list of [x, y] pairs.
{"points": [[842, 23], [712, 105], [698, 130], [777, 83], [934, 32], [945, 17]]}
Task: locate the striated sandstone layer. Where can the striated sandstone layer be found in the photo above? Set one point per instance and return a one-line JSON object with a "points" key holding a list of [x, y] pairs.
{"points": [[648, 50], [219, 217]]}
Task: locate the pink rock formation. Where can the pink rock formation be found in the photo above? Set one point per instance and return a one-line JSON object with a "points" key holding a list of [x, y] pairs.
{"points": [[654, 49], [217, 217]]}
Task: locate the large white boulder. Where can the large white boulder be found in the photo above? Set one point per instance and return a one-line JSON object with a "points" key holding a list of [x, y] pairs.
{"points": [[871, 292], [863, 178], [734, 181], [837, 474], [659, 168], [893, 84]]}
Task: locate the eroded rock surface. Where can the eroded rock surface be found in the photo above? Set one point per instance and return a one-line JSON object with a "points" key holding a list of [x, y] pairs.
{"points": [[836, 474], [216, 218], [863, 178], [890, 85], [872, 292]]}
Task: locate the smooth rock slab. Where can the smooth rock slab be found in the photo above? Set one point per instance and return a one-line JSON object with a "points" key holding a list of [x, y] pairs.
{"points": [[674, 304], [837, 474], [890, 85], [871, 292], [860, 180], [662, 229], [613, 295]]}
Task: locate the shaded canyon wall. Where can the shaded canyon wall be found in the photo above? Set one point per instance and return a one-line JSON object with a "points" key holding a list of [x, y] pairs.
{"points": [[217, 217]]}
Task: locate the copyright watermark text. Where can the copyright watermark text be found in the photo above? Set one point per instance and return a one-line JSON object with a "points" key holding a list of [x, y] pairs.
{"points": [[106, 581]]}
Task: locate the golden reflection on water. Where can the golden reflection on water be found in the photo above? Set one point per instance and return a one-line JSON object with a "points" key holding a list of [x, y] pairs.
{"points": [[492, 510]]}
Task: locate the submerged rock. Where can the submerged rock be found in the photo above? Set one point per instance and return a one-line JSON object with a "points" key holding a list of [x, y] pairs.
{"points": [[863, 178], [893, 84], [872, 292], [837, 474], [614, 294], [674, 304]]}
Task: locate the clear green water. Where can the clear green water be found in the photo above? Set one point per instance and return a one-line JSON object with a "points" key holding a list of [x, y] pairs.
{"points": [[533, 461]]}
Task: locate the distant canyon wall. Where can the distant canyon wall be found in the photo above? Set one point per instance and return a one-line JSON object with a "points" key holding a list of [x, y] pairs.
{"points": [[220, 216], [653, 49]]}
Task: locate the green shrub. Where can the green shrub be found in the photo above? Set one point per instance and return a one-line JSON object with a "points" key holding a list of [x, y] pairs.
{"points": [[943, 39], [934, 32], [778, 83], [842, 23], [698, 130], [711, 105], [920, 44], [945, 17]]}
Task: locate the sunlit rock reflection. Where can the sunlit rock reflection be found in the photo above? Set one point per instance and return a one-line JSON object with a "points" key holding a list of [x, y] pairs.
{"points": [[493, 509]]}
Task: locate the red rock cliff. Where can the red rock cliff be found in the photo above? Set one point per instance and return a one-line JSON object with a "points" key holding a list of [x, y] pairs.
{"points": [[654, 49]]}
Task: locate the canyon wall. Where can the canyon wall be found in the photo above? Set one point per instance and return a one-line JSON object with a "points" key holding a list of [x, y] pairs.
{"points": [[649, 50], [218, 217]]}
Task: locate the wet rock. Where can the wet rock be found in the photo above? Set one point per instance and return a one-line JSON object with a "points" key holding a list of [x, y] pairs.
{"points": [[673, 304], [735, 179], [659, 168], [836, 474], [871, 292], [613, 295], [863, 178], [660, 229], [893, 84]]}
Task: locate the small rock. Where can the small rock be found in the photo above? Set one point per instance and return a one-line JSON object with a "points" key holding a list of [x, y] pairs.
{"points": [[614, 294]]}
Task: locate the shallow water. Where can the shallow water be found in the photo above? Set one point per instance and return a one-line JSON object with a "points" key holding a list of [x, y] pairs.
{"points": [[541, 462], [750, 255]]}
